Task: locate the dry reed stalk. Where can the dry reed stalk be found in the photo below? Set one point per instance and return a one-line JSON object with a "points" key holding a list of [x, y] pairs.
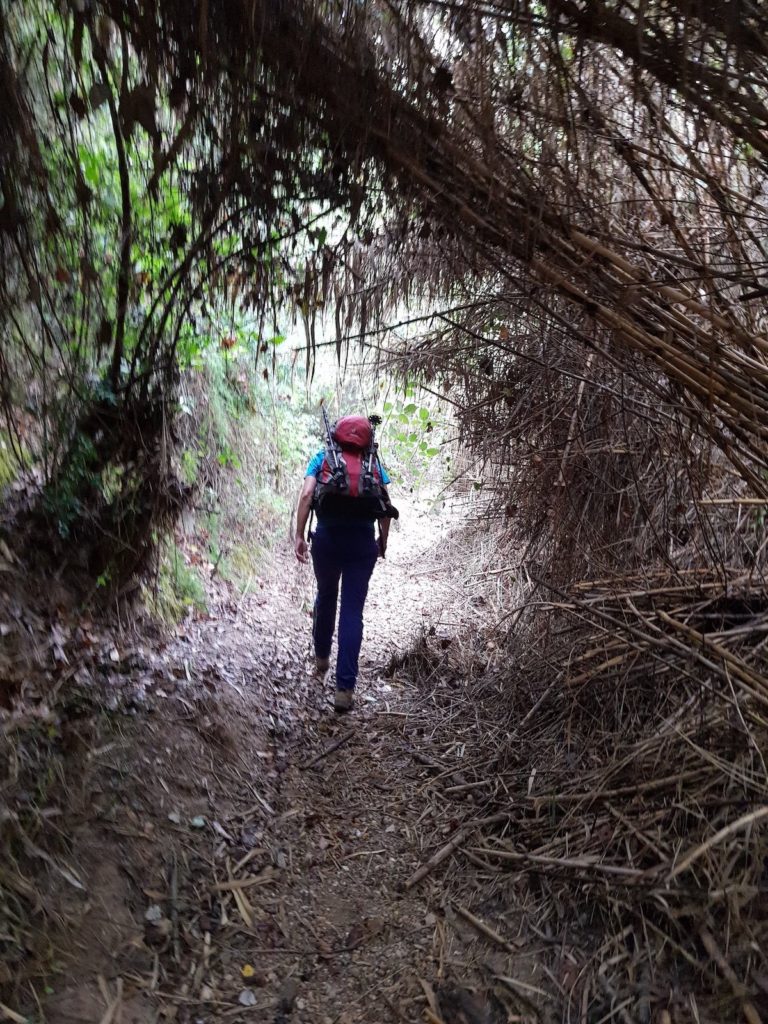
{"points": [[596, 818]]}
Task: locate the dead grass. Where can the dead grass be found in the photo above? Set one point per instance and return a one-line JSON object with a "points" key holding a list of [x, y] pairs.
{"points": [[622, 736]]}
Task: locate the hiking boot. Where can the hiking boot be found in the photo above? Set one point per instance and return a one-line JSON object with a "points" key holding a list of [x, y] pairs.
{"points": [[322, 665], [343, 701]]}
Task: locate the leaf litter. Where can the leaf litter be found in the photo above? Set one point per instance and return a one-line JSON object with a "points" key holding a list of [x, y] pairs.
{"points": [[220, 816], [190, 834]]}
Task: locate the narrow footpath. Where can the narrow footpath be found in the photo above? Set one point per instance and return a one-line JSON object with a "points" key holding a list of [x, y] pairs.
{"points": [[247, 855]]}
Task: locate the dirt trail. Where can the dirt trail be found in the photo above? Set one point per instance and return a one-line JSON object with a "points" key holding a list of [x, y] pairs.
{"points": [[245, 851]]}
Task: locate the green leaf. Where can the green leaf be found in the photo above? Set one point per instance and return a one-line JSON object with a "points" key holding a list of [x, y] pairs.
{"points": [[410, 409], [424, 414], [388, 407], [432, 452]]}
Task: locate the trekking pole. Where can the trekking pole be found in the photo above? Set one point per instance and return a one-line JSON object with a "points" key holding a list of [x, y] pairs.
{"points": [[335, 458], [386, 509], [373, 450]]}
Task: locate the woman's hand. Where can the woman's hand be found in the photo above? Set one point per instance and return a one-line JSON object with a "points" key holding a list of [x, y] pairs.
{"points": [[301, 548]]}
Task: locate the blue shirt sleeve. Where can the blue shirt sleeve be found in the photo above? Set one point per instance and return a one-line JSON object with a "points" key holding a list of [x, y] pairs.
{"points": [[315, 464]]}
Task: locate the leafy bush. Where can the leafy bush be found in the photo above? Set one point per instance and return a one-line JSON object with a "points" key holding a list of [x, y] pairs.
{"points": [[177, 587], [129, 242], [246, 431]]}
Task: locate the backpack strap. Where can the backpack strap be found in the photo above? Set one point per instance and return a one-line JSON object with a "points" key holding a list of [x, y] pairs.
{"points": [[370, 458], [334, 456]]}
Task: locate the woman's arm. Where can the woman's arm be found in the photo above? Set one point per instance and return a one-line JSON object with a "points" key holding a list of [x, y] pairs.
{"points": [[383, 536], [384, 525], [300, 545]]}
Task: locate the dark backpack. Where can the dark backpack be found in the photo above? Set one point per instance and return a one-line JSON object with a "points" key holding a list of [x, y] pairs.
{"points": [[349, 482]]}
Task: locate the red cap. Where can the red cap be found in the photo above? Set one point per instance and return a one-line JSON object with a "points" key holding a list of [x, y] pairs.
{"points": [[353, 432]]}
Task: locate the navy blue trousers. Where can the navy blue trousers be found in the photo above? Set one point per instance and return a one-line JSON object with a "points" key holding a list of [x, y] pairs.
{"points": [[346, 554]]}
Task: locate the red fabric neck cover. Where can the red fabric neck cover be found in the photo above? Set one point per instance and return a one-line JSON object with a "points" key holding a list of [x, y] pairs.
{"points": [[353, 432]]}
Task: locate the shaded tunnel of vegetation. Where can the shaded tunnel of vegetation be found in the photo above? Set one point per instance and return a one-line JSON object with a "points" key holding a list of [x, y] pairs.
{"points": [[547, 218]]}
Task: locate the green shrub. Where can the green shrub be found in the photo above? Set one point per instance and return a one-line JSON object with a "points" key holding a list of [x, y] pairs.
{"points": [[177, 587], [9, 467]]}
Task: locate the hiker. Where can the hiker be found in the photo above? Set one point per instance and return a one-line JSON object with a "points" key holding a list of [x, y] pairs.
{"points": [[345, 485]]}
